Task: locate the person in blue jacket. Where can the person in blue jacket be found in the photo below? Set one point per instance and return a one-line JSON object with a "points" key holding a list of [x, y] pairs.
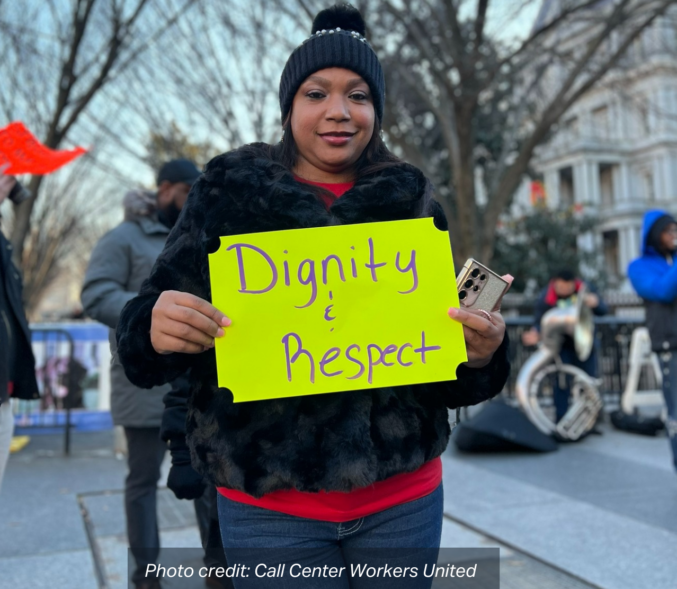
{"points": [[654, 277]]}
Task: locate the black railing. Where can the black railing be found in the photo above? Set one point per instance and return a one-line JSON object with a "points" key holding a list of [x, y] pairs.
{"points": [[57, 375], [612, 341]]}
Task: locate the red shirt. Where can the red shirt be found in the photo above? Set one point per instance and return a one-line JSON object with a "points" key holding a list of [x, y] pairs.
{"points": [[335, 506], [337, 189]]}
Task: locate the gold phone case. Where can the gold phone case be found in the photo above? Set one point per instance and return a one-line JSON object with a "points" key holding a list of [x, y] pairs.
{"points": [[478, 287]]}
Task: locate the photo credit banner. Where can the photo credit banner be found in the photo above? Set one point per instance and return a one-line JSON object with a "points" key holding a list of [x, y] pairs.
{"points": [[332, 309]]}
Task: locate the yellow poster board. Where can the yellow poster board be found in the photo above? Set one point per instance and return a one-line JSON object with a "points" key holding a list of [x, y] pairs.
{"points": [[334, 309]]}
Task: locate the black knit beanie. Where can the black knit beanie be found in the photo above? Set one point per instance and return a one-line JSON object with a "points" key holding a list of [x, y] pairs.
{"points": [[337, 40], [653, 238]]}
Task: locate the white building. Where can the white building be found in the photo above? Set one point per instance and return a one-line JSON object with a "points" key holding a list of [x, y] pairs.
{"points": [[615, 152]]}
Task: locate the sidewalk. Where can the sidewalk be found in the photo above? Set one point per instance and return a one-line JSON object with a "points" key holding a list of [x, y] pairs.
{"points": [[602, 513], [604, 509], [43, 541]]}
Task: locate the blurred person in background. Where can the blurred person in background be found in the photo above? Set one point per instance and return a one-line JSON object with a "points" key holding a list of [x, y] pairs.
{"points": [[654, 277], [186, 483], [17, 364], [562, 291], [120, 262]]}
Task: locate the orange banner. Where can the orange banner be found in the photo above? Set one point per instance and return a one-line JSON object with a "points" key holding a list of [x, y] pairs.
{"points": [[26, 155]]}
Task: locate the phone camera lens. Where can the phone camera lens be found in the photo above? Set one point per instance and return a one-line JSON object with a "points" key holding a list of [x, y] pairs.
{"points": [[476, 288], [468, 284], [462, 295], [483, 277], [475, 273]]}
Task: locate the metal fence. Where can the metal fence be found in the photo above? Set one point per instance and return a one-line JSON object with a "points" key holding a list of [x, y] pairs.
{"points": [[612, 341], [58, 375]]}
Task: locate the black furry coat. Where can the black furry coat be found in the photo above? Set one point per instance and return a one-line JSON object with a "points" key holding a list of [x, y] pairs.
{"points": [[332, 442]]}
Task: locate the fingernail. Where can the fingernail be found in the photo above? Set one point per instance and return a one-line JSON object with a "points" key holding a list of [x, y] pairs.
{"points": [[212, 345], [220, 332], [226, 322], [453, 312]]}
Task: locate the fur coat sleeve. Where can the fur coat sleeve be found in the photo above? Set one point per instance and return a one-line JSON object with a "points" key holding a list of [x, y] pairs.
{"points": [[474, 385]]}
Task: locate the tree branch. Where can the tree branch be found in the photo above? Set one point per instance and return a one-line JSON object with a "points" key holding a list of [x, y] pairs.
{"points": [[68, 78], [480, 20], [550, 26], [552, 113], [121, 31]]}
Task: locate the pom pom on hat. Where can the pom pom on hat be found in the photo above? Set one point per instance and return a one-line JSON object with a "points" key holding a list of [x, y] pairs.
{"points": [[342, 16]]}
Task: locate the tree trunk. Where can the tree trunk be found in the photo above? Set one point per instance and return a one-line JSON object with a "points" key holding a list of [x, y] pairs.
{"points": [[463, 177], [22, 220]]}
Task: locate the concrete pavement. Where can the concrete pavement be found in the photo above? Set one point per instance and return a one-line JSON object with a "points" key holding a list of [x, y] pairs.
{"points": [[601, 513], [604, 509]]}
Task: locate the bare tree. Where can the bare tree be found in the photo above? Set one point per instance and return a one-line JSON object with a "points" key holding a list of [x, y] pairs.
{"points": [[171, 142], [469, 103], [57, 59], [219, 74], [63, 230], [493, 103]]}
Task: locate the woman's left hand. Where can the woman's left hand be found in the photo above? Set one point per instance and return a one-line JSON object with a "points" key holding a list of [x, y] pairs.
{"points": [[483, 331], [482, 336]]}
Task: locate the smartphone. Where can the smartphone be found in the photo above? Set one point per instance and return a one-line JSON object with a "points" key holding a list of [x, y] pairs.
{"points": [[478, 287]]}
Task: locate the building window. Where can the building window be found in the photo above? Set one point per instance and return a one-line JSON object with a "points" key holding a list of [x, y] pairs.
{"points": [[606, 184], [648, 186], [642, 116], [600, 122], [566, 187], [571, 128], [611, 261]]}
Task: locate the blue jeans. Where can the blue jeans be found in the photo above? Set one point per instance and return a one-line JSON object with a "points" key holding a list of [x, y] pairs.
{"points": [[668, 361], [406, 535]]}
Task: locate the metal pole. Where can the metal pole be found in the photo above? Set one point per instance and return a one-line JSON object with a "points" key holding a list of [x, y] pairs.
{"points": [[67, 448], [71, 353]]}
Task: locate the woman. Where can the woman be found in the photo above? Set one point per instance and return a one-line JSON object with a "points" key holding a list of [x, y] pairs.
{"points": [[332, 473]]}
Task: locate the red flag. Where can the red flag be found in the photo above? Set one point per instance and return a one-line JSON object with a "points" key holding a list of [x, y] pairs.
{"points": [[26, 155], [538, 196]]}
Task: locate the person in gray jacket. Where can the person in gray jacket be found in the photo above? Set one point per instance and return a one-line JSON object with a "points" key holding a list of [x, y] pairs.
{"points": [[120, 262]]}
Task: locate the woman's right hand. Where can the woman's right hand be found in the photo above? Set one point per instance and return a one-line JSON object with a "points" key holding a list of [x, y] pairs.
{"points": [[182, 322]]}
